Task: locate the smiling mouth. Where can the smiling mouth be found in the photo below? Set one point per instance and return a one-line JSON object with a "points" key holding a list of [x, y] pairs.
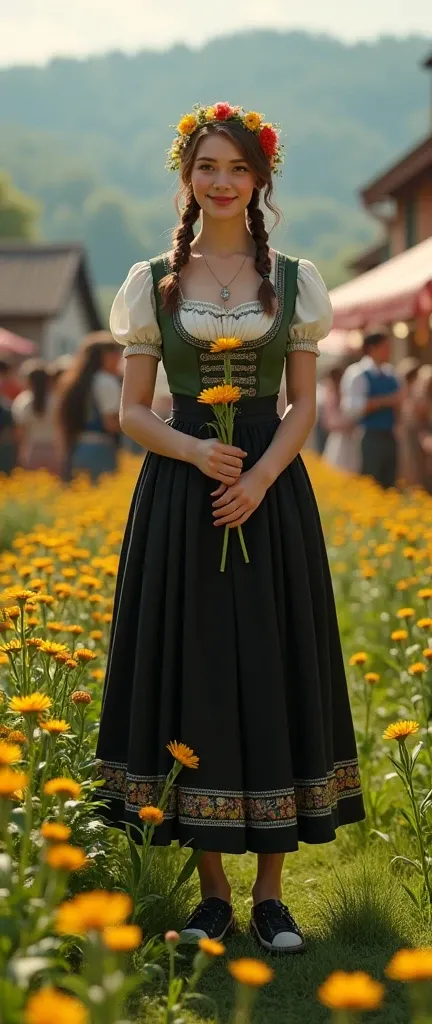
{"points": [[222, 200]]}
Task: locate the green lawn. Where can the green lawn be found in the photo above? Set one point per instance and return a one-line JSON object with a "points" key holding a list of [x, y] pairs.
{"points": [[355, 915]]}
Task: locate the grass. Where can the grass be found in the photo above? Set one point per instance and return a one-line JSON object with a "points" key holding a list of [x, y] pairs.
{"points": [[355, 915]]}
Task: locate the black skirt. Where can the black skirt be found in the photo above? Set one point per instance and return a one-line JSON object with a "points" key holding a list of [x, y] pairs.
{"points": [[243, 666]]}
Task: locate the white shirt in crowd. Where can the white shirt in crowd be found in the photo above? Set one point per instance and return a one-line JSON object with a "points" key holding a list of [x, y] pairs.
{"points": [[354, 385], [106, 391], [38, 428]]}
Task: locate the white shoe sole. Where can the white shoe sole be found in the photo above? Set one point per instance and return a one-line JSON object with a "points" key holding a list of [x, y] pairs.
{"points": [[275, 950]]}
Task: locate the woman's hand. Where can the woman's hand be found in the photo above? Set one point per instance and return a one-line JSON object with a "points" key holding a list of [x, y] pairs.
{"points": [[219, 461], [233, 505]]}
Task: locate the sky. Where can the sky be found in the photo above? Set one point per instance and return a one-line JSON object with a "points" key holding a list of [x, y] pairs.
{"points": [[33, 31]]}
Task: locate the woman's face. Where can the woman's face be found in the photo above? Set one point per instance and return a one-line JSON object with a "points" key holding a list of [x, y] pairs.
{"points": [[222, 181]]}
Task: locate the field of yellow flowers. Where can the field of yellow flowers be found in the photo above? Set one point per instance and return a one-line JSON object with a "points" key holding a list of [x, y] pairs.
{"points": [[76, 897]]}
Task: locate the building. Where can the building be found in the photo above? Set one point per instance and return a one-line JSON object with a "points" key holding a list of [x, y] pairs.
{"points": [[46, 295], [393, 279]]}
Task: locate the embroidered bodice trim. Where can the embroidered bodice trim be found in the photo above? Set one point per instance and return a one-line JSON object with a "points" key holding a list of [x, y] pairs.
{"points": [[243, 309]]}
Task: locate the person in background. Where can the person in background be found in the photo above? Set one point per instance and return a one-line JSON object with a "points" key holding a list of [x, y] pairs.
{"points": [[424, 423], [10, 385], [342, 446], [89, 408], [33, 413], [410, 456], [59, 367], [370, 396]]}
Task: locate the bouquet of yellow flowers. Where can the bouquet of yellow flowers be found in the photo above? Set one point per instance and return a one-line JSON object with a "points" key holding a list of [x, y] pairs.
{"points": [[223, 399]]}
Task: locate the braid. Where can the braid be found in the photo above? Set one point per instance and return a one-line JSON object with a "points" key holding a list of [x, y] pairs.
{"points": [[266, 292], [169, 287]]}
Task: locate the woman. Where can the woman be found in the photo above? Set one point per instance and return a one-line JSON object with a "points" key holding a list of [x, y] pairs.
{"points": [[89, 407], [34, 415], [342, 448], [244, 665]]}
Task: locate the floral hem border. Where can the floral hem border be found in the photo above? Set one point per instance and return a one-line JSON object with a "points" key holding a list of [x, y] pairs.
{"points": [[307, 798]]}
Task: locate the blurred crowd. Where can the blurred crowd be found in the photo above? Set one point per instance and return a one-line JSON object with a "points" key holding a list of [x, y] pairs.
{"points": [[372, 417], [64, 416], [375, 418]]}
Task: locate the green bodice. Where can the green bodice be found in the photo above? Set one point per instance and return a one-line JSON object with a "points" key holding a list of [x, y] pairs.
{"points": [[257, 367]]}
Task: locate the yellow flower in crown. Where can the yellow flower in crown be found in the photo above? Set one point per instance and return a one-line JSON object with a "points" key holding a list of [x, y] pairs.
{"points": [[210, 113], [253, 120], [188, 124]]}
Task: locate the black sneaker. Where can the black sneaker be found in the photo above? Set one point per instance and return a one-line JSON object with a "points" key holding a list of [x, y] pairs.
{"points": [[274, 928], [212, 919]]}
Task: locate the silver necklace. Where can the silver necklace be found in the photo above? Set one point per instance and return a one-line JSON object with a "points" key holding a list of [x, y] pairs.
{"points": [[225, 292]]}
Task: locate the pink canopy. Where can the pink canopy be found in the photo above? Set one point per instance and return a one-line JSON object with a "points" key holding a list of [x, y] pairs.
{"points": [[14, 343], [399, 289]]}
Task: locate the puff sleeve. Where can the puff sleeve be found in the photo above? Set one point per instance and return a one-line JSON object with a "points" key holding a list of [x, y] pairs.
{"points": [[133, 320], [313, 314]]}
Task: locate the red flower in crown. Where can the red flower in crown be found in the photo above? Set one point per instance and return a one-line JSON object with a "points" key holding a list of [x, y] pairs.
{"points": [[223, 111], [269, 140]]}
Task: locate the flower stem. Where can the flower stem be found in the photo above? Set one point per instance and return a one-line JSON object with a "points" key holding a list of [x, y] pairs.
{"points": [[243, 545], [224, 549]]}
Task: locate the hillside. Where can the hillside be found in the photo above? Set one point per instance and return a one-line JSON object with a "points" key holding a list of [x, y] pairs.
{"points": [[88, 137]]}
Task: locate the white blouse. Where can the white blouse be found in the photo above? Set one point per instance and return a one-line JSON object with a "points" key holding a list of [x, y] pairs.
{"points": [[133, 320]]}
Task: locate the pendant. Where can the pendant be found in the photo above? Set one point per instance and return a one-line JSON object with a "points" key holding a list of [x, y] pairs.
{"points": [[225, 294]]}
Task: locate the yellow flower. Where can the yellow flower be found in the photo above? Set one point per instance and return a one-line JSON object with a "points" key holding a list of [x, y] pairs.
{"points": [[96, 634], [9, 753], [51, 648], [187, 125], [11, 781], [19, 594], [372, 677], [425, 594], [12, 648], [122, 937], [49, 1005], [253, 973], [55, 726], [405, 613], [98, 674], [225, 344], [34, 704], [151, 815], [399, 634], [55, 832], [400, 730], [411, 965], [71, 663], [4, 729], [358, 659], [210, 113], [356, 991], [16, 736], [417, 668], [35, 641], [368, 572], [410, 553], [252, 120], [211, 947], [63, 787], [427, 653], [222, 394], [80, 697], [424, 623], [183, 754], [92, 911], [13, 612], [84, 654], [63, 857], [56, 627]]}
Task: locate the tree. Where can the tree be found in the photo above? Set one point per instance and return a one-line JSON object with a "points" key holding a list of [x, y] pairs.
{"points": [[18, 214]]}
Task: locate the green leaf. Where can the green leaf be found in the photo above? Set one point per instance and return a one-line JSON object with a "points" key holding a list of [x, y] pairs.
{"points": [[187, 870], [411, 895], [407, 860]]}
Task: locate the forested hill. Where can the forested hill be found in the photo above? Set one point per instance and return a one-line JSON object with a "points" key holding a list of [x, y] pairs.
{"points": [[88, 137]]}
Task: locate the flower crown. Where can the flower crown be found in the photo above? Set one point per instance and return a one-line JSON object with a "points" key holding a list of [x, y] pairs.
{"points": [[266, 133]]}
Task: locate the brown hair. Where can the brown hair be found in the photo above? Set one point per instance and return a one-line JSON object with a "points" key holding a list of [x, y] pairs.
{"points": [[76, 383], [39, 382], [189, 211]]}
